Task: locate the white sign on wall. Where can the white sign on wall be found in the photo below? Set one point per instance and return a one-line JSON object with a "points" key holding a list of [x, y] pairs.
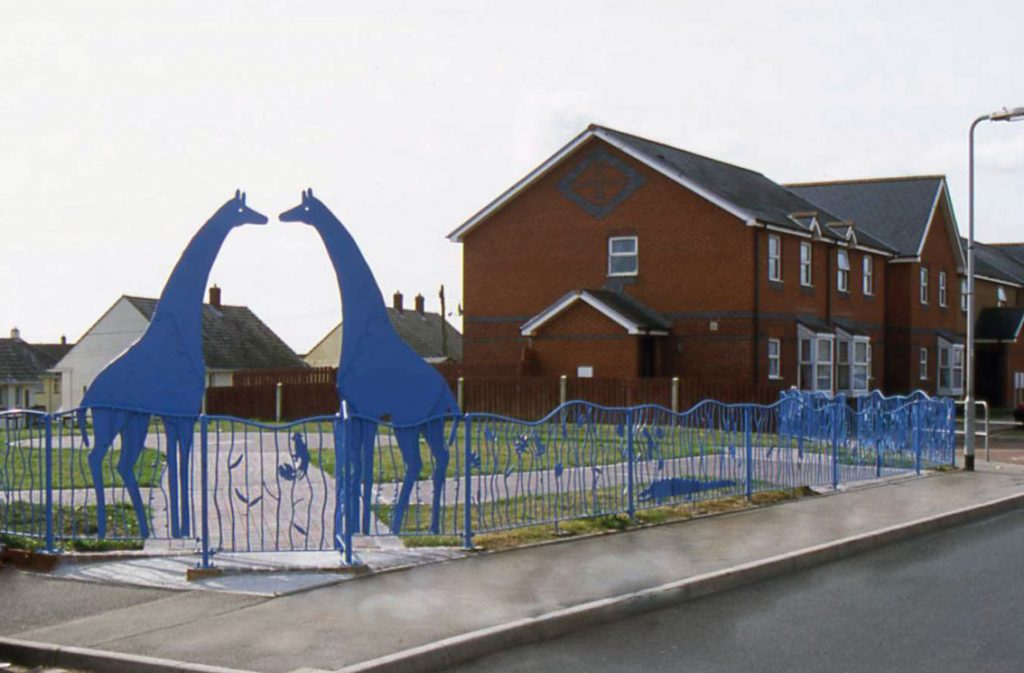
{"points": [[585, 372]]}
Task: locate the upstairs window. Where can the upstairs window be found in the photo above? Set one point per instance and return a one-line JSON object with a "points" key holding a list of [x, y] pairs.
{"points": [[843, 271], [622, 256], [805, 264], [1001, 296], [868, 268], [963, 295], [942, 288], [774, 258], [924, 285], [923, 363]]}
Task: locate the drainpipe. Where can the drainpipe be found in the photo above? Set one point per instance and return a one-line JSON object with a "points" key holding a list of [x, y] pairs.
{"points": [[757, 301]]}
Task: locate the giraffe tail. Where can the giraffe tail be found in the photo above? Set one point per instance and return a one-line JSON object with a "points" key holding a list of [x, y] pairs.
{"points": [[80, 415]]}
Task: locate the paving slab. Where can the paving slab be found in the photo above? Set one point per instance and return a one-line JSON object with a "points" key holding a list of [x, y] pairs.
{"points": [[371, 617]]}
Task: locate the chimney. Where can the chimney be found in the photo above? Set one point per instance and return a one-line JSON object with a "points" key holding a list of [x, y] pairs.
{"points": [[419, 304], [397, 301], [215, 297], [63, 340], [16, 334]]}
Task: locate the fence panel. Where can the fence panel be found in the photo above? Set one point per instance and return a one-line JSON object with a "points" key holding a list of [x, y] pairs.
{"points": [[312, 483]]}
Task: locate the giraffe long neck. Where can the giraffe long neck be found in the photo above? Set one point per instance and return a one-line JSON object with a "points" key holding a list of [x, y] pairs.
{"points": [[180, 307], [362, 303]]}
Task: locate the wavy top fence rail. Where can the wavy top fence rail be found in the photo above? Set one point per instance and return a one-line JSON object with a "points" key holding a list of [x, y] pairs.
{"points": [[303, 485]]}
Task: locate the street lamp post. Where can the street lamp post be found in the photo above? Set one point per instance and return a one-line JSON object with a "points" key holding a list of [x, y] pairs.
{"points": [[1003, 115]]}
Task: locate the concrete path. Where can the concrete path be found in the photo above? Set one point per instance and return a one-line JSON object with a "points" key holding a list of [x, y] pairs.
{"points": [[378, 615]]}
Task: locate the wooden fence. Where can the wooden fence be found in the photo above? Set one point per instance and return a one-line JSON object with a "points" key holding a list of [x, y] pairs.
{"points": [[312, 392]]}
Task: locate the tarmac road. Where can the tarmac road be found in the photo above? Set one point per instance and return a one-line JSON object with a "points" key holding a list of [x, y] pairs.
{"points": [[952, 601]]}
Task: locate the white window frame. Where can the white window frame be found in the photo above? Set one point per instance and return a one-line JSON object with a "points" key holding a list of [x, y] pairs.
{"points": [[1001, 299], [868, 275], [922, 362], [950, 368], [924, 285], [854, 367], [775, 258], [775, 359], [942, 288], [963, 295], [843, 270], [612, 255], [806, 264], [817, 364]]}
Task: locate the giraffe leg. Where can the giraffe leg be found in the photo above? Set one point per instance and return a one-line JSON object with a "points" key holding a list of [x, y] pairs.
{"points": [[133, 440], [172, 475], [186, 439], [106, 425], [409, 445], [435, 439], [365, 477]]}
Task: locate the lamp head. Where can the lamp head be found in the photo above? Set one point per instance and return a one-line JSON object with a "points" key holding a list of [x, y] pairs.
{"points": [[1008, 115]]}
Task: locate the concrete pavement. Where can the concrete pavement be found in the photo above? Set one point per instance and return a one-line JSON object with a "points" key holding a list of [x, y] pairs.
{"points": [[394, 621]]}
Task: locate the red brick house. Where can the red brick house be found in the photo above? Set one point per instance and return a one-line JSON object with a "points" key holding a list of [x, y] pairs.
{"points": [[623, 257]]}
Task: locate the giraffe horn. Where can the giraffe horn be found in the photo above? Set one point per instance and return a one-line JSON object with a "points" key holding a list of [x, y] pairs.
{"points": [[243, 198], [238, 193]]}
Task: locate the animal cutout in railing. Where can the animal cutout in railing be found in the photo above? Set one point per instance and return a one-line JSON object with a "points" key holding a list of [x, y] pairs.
{"points": [[163, 374], [379, 376]]}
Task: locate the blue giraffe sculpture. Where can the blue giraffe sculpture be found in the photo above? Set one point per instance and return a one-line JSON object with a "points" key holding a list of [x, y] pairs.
{"points": [[163, 374], [380, 375]]}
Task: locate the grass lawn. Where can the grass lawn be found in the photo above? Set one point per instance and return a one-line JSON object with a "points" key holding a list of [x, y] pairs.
{"points": [[501, 451], [78, 522], [545, 509], [23, 468], [604, 523]]}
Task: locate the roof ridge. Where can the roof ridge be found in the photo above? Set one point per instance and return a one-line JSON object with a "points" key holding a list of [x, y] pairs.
{"points": [[675, 149], [856, 181]]}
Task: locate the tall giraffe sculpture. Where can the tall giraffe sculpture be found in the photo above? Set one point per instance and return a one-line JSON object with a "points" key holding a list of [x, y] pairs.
{"points": [[162, 374], [379, 374]]}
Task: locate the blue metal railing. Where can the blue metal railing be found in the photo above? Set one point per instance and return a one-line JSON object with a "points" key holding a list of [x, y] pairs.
{"points": [[317, 483]]}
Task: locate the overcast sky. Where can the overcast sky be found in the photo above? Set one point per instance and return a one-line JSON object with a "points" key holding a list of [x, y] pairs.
{"points": [[123, 126]]}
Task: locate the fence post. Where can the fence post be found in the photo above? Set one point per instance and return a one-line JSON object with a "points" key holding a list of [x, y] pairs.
{"points": [[563, 388], [630, 463], [747, 432], [836, 411], [675, 394], [204, 444], [48, 424], [460, 392], [916, 420], [468, 520], [350, 485], [278, 400]]}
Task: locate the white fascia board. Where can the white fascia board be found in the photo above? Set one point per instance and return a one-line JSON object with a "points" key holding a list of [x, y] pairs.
{"points": [[1008, 283], [790, 232], [904, 260], [931, 218], [534, 175], [727, 206], [876, 251], [530, 328], [951, 227]]}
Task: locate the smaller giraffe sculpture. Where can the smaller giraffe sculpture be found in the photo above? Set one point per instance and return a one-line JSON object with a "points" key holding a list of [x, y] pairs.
{"points": [[380, 375], [163, 374]]}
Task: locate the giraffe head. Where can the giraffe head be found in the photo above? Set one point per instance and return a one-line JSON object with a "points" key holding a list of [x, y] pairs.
{"points": [[236, 213], [307, 211]]}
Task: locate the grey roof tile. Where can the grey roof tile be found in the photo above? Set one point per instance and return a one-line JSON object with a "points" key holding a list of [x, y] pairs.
{"points": [[766, 200], [234, 338], [894, 211], [996, 262], [23, 362], [422, 331]]}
